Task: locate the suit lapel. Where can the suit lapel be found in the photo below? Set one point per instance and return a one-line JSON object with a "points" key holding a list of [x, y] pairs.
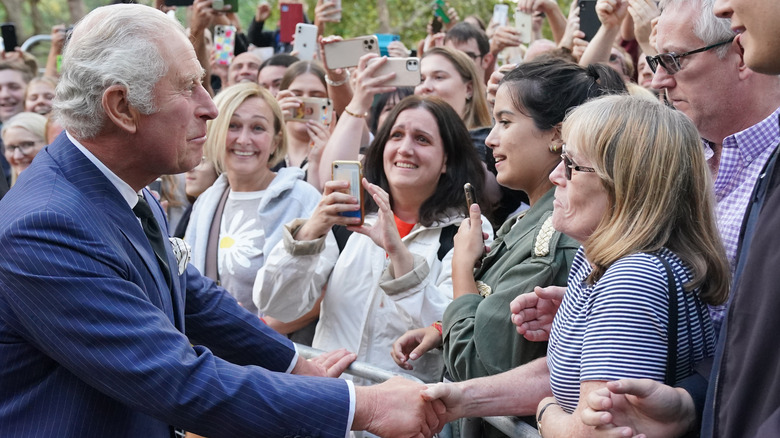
{"points": [[77, 168]]}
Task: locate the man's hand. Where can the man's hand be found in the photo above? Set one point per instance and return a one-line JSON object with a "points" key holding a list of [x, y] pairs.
{"points": [[533, 313], [451, 396], [396, 408], [330, 364], [639, 406]]}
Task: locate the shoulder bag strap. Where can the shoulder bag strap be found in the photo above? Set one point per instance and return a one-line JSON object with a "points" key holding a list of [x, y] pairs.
{"points": [[212, 243], [671, 347]]}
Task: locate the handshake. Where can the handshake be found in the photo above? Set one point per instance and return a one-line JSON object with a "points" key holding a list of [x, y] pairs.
{"points": [[399, 408]]}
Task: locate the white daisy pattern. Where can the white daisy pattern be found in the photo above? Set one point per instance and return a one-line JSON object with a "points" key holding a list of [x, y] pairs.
{"points": [[239, 242]]}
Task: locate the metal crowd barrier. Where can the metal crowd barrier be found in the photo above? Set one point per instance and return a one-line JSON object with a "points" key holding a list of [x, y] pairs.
{"points": [[510, 426]]}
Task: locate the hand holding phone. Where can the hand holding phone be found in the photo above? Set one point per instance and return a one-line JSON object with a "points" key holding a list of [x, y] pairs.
{"points": [[352, 172], [471, 198]]}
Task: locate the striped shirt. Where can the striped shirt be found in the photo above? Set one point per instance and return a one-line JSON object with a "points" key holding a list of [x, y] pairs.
{"points": [[617, 328], [742, 157]]}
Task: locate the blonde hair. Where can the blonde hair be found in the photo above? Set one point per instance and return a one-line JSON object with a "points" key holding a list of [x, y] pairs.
{"points": [[651, 163], [33, 123], [227, 101], [476, 114]]}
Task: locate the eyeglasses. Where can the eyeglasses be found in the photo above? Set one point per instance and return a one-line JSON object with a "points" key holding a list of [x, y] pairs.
{"points": [[24, 147], [568, 165], [671, 61], [473, 55]]}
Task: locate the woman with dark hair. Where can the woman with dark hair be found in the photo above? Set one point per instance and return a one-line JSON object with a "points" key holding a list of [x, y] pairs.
{"points": [[305, 139], [393, 273], [476, 332]]}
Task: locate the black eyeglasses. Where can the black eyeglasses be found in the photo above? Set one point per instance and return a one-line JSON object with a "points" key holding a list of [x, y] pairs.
{"points": [[568, 165], [25, 147], [671, 61], [473, 55]]}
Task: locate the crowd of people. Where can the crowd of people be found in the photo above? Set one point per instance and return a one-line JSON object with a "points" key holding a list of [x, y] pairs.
{"points": [[170, 227]]}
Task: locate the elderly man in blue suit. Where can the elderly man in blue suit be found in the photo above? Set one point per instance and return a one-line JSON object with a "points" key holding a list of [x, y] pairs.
{"points": [[93, 318]]}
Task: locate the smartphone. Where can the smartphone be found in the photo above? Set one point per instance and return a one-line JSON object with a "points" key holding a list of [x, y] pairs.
{"points": [[305, 41], [224, 43], [351, 171], [471, 197], [347, 53], [436, 25], [501, 14], [8, 31], [524, 25], [290, 15], [407, 71], [313, 108], [338, 5], [225, 5], [440, 10], [589, 19], [384, 40]]}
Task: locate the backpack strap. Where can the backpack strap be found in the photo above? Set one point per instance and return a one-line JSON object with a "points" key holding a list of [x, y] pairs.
{"points": [[446, 236]]}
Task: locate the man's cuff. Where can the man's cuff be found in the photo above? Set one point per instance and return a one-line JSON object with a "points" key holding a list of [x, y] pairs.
{"points": [[293, 362], [351, 416]]}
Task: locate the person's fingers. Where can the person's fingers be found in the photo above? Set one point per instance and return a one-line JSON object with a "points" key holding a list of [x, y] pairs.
{"points": [[435, 392]]}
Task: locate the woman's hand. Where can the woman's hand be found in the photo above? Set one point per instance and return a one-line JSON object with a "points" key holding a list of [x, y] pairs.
{"points": [[366, 84], [384, 233], [611, 12], [335, 200], [533, 313], [288, 102], [469, 242], [414, 344]]}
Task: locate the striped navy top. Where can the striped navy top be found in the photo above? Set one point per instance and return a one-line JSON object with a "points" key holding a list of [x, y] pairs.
{"points": [[617, 328]]}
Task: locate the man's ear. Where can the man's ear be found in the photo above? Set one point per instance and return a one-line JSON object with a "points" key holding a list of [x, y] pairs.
{"points": [[118, 109], [487, 61]]}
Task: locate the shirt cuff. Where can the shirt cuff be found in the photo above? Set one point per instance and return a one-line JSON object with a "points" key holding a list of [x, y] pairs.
{"points": [[351, 416], [292, 363]]}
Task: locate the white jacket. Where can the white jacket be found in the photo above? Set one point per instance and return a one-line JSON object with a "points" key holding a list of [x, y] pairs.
{"points": [[364, 308]]}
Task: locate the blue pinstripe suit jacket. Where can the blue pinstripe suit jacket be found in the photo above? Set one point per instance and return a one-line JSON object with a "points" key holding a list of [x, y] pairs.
{"points": [[92, 341]]}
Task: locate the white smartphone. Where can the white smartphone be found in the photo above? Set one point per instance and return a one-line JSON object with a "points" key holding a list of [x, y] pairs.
{"points": [[338, 5], [351, 171], [524, 24], [305, 41], [313, 108], [501, 14], [224, 44], [407, 71], [347, 53]]}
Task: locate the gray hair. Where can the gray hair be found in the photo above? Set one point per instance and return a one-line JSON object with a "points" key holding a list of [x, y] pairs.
{"points": [[33, 123], [707, 27], [113, 45]]}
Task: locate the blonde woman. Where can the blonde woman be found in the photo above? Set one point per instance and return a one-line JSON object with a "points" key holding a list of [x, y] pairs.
{"points": [[23, 136], [634, 189], [248, 204]]}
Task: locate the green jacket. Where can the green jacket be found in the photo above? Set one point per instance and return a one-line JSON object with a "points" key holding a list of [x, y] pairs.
{"points": [[479, 336]]}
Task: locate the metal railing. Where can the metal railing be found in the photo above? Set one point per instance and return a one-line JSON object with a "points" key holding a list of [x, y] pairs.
{"points": [[510, 426]]}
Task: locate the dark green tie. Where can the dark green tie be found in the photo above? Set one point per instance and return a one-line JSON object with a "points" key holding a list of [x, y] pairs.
{"points": [[153, 233]]}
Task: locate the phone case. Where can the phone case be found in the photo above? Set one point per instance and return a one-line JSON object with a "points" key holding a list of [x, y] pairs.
{"points": [[589, 19], [313, 108], [351, 171], [290, 15], [224, 43], [9, 36], [337, 3], [347, 53], [305, 41], [440, 10], [384, 40], [407, 71], [501, 14], [524, 25]]}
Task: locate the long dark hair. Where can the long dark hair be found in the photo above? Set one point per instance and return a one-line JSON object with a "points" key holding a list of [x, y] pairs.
{"points": [[546, 90], [463, 163]]}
